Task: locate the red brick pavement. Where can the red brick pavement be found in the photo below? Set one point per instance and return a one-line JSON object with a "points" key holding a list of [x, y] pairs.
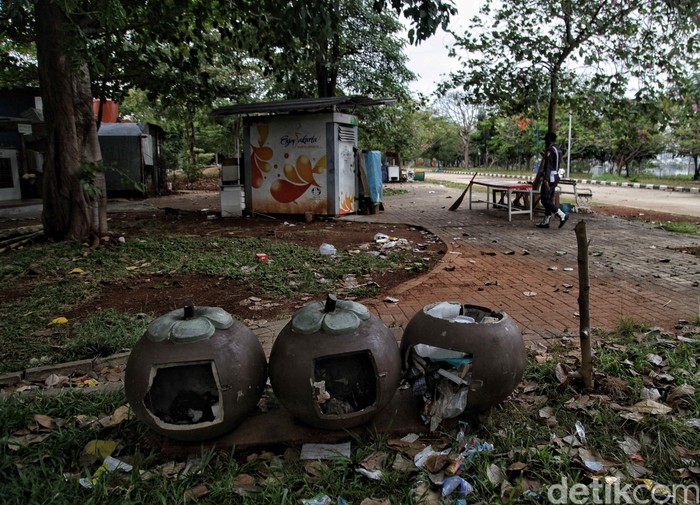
{"points": [[636, 273]]}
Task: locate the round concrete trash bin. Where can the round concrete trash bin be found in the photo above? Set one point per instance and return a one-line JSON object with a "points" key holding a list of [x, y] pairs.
{"points": [[335, 365], [195, 374], [478, 354]]}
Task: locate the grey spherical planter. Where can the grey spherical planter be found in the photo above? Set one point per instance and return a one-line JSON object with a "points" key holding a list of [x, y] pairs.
{"points": [[493, 340], [335, 365], [195, 374]]}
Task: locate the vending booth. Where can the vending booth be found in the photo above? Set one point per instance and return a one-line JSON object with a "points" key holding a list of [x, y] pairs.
{"points": [[300, 156]]}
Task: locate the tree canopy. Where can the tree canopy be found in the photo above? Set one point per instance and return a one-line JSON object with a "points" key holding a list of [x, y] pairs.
{"points": [[519, 54], [87, 49]]}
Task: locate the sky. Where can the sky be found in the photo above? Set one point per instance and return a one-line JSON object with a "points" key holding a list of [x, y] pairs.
{"points": [[429, 60]]}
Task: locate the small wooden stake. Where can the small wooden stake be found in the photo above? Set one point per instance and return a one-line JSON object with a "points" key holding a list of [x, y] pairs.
{"points": [[584, 288]]}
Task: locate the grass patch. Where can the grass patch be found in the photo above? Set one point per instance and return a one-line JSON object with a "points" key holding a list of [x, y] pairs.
{"points": [[43, 282], [680, 227], [394, 191], [536, 442]]}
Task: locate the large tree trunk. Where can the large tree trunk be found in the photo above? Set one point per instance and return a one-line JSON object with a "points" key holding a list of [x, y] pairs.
{"points": [[73, 157]]}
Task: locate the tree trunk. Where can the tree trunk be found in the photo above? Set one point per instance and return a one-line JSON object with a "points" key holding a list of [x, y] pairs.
{"points": [[465, 145], [191, 138], [696, 175], [552, 109], [73, 157]]}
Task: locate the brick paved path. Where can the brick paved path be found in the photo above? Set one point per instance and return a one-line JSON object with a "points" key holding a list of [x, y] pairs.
{"points": [[636, 273]]}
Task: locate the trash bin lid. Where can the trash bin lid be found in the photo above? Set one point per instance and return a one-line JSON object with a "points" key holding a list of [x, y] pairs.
{"points": [[190, 324], [333, 317]]}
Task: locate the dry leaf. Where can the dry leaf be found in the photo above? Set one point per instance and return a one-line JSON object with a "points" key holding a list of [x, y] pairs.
{"points": [[680, 392], [171, 469], [315, 470], [546, 412], [650, 394], [85, 421], [373, 501], [517, 466], [59, 320], [100, 448], [562, 373], [495, 474], [425, 496], [635, 470], [44, 421], [374, 461], [629, 445], [244, 479], [632, 416], [655, 359], [650, 407], [402, 464], [16, 443], [590, 461], [436, 462], [121, 414], [197, 491]]}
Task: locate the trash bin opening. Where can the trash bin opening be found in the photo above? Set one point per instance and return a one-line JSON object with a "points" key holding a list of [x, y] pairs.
{"points": [[455, 312], [345, 384], [181, 396], [442, 378]]}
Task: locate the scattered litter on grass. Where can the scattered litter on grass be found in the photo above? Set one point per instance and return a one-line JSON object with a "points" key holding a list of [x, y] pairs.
{"points": [[109, 465]]}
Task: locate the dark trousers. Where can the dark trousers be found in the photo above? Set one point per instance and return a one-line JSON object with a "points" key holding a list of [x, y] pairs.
{"points": [[548, 199]]}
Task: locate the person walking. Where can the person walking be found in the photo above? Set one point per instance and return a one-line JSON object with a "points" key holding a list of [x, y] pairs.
{"points": [[549, 178]]}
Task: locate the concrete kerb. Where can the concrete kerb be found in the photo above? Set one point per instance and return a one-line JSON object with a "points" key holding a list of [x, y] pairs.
{"points": [[266, 333], [636, 185]]}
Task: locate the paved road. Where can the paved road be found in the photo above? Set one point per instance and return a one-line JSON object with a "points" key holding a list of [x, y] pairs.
{"points": [[673, 202]]}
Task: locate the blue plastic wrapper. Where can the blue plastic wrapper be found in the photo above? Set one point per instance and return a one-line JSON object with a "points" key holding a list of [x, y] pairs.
{"points": [[456, 484], [318, 500]]}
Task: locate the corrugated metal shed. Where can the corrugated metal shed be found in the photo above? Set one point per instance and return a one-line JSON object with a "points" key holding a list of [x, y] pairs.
{"points": [[333, 103]]}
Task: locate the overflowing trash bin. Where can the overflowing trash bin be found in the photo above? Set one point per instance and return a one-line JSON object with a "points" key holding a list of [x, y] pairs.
{"points": [[195, 374], [461, 358], [335, 365]]}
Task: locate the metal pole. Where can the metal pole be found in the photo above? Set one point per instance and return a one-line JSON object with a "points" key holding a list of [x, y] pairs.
{"points": [[568, 151]]}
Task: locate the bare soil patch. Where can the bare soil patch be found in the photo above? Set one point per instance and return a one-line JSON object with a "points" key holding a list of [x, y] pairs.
{"points": [[160, 294]]}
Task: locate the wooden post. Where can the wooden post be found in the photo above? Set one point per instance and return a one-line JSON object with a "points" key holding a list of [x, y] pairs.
{"points": [[584, 288]]}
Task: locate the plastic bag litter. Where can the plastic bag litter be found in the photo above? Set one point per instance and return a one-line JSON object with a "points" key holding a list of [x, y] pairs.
{"points": [[318, 500], [448, 403], [445, 310], [437, 353], [456, 484], [327, 249], [420, 458]]}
